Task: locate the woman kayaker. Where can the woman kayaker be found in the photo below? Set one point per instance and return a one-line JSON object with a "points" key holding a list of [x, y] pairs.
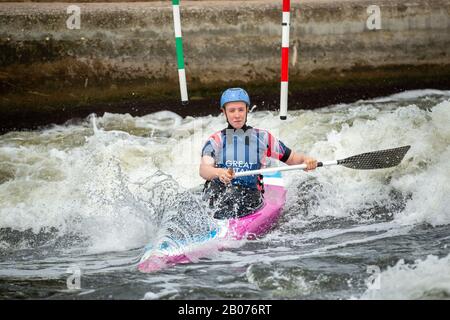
{"points": [[240, 147]]}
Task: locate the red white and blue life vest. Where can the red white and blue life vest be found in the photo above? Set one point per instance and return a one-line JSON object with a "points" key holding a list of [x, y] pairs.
{"points": [[244, 149]]}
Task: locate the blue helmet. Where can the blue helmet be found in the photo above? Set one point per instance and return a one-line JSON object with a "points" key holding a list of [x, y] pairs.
{"points": [[234, 94]]}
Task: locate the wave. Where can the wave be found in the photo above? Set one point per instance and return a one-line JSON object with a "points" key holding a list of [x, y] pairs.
{"points": [[423, 279], [101, 180]]}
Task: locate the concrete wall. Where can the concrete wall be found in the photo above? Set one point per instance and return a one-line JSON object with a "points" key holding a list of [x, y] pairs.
{"points": [[130, 46]]}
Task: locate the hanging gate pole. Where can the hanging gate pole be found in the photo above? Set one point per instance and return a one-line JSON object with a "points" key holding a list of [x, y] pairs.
{"points": [[179, 48], [284, 59]]}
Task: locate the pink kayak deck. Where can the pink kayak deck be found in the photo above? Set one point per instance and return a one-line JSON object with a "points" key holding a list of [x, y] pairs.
{"points": [[250, 227], [258, 223]]}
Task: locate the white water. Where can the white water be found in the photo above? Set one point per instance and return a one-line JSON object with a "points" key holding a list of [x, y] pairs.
{"points": [[71, 173], [425, 279], [113, 182]]}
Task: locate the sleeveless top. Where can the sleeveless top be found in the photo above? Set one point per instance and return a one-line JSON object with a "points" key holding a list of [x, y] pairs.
{"points": [[244, 149]]}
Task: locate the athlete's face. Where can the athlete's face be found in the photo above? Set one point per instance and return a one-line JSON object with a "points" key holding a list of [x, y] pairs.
{"points": [[236, 113]]}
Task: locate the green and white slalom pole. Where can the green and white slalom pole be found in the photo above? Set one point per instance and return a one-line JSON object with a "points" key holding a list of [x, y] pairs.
{"points": [[179, 48], [284, 58]]}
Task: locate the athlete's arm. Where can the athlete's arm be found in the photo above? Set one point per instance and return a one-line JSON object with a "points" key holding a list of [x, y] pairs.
{"points": [[281, 152], [300, 158], [209, 172]]}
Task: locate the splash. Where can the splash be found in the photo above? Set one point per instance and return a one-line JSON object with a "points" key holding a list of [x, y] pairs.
{"points": [[423, 279], [413, 192], [119, 182], [107, 193]]}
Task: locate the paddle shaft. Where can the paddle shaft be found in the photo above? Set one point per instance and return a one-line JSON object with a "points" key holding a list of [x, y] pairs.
{"points": [[365, 161], [287, 168]]}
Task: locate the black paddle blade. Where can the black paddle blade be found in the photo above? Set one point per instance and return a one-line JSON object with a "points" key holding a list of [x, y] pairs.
{"points": [[376, 160]]}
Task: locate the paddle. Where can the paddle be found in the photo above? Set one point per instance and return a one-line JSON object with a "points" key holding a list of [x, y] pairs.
{"points": [[365, 161]]}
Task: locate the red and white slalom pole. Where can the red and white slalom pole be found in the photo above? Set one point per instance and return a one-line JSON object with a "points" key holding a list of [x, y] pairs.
{"points": [[284, 58]]}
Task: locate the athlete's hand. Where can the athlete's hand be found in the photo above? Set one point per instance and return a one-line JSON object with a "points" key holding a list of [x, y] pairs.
{"points": [[225, 175], [311, 163]]}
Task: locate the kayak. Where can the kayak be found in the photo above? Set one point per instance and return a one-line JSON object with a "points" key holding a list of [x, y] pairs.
{"points": [[258, 223]]}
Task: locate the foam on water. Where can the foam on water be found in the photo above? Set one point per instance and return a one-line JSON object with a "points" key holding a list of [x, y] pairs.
{"points": [[101, 180], [99, 191], [425, 279], [422, 176], [413, 94]]}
